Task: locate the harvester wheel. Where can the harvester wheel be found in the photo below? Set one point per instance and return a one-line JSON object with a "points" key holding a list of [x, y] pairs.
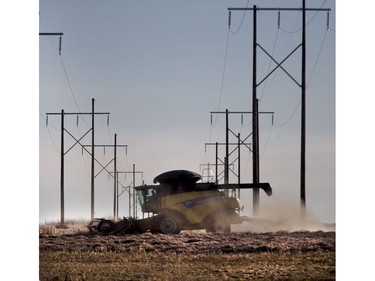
{"points": [[105, 226], [169, 225]]}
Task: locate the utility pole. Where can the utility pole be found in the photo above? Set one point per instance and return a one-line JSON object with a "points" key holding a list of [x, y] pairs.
{"points": [[255, 150], [92, 158], [302, 85], [255, 119], [63, 153], [132, 196], [218, 176], [62, 204], [223, 163], [226, 158], [239, 143], [239, 165], [115, 178], [303, 112], [62, 136], [114, 159]]}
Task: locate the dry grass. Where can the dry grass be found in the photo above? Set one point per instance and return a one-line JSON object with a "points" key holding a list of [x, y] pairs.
{"points": [[70, 227]]}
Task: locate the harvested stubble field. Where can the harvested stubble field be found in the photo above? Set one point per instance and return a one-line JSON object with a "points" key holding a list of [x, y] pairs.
{"points": [[302, 255]]}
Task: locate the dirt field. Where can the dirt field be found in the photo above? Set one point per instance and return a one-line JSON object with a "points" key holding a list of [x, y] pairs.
{"points": [[188, 256]]}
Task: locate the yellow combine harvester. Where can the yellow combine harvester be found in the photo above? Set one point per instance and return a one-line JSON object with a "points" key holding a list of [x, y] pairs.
{"points": [[178, 203]]}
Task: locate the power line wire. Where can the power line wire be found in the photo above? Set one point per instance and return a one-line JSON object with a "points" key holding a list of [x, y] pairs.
{"points": [[313, 17], [242, 20], [221, 86], [70, 86], [49, 132], [223, 75], [297, 106], [291, 116], [316, 60], [49, 39], [266, 144], [64, 69]]}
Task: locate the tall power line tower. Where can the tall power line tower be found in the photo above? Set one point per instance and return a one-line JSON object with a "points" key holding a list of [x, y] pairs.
{"points": [[254, 150], [114, 160], [77, 141], [302, 85], [132, 204]]}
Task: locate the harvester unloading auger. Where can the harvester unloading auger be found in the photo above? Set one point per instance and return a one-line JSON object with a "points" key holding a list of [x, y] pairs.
{"points": [[178, 203]]}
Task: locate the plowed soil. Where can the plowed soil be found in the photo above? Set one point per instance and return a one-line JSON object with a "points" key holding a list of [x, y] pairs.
{"points": [[299, 255]]}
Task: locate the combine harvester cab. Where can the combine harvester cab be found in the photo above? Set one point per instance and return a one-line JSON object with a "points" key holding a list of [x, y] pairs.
{"points": [[178, 203]]}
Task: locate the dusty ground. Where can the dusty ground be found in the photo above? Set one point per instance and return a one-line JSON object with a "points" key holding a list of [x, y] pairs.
{"points": [[302, 255], [194, 243]]}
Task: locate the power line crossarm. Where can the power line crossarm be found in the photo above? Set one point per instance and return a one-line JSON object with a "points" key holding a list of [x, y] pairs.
{"points": [[279, 9], [78, 113], [51, 33]]}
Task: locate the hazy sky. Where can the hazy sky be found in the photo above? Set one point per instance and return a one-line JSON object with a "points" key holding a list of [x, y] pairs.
{"points": [[159, 68]]}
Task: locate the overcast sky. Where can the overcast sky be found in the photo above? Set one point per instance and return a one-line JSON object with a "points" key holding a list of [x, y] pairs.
{"points": [[159, 68]]}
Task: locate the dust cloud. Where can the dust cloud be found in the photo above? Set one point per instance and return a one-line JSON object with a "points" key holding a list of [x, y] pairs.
{"points": [[281, 215]]}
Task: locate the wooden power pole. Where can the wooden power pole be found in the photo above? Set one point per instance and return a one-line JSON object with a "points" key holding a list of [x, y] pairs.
{"points": [[63, 152], [302, 85]]}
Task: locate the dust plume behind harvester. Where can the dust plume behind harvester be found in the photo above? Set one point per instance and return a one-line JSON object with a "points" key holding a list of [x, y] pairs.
{"points": [[180, 202]]}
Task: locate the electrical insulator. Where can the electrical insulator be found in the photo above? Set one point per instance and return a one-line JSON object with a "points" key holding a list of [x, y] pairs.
{"points": [[229, 19], [77, 121], [327, 20], [272, 119], [278, 20], [107, 120], [211, 119], [241, 119], [60, 45], [104, 150], [47, 121]]}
